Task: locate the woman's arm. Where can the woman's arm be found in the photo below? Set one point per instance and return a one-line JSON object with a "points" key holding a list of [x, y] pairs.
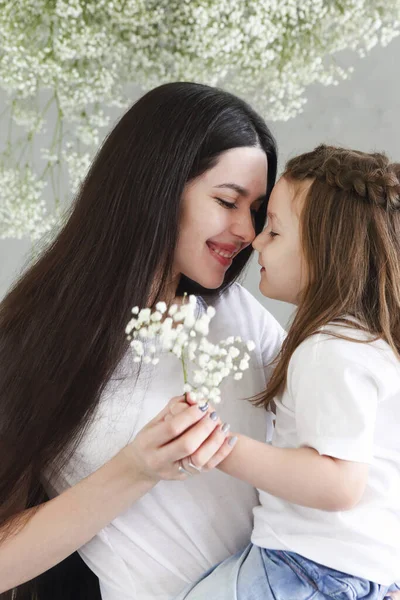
{"points": [[64, 524], [298, 475], [59, 527]]}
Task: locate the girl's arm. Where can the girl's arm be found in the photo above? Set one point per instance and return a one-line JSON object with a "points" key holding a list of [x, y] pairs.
{"points": [[298, 475]]}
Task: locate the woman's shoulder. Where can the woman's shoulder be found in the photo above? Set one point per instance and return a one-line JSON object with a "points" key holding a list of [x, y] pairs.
{"points": [[237, 296], [238, 313], [238, 302]]}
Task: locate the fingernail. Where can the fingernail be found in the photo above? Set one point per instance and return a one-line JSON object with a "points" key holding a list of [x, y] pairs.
{"points": [[213, 416], [225, 427], [203, 407], [232, 441]]}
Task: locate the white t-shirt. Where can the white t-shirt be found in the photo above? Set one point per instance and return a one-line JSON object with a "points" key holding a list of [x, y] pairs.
{"points": [[343, 399], [178, 530]]}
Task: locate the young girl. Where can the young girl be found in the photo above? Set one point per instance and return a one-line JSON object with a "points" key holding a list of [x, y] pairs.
{"points": [[328, 523]]}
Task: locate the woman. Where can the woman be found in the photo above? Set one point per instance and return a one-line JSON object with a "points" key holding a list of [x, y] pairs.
{"points": [[171, 205]]}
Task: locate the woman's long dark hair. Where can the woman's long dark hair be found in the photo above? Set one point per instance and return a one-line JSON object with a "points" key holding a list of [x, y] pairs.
{"points": [[62, 324]]}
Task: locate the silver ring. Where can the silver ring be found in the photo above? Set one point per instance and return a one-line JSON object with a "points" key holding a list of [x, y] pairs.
{"points": [[182, 469], [193, 466]]}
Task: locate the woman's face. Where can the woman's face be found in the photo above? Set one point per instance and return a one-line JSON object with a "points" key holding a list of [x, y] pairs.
{"points": [[218, 215]]}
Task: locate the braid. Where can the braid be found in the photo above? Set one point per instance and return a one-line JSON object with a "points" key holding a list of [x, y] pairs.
{"points": [[371, 177]]}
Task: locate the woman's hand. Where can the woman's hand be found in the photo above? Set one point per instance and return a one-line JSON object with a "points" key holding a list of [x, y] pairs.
{"points": [[214, 449], [180, 430]]}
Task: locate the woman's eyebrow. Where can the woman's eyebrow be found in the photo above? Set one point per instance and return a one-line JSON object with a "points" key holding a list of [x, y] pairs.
{"points": [[235, 187], [240, 190]]}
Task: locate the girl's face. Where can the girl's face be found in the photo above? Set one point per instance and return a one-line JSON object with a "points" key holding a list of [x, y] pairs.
{"points": [[218, 215], [282, 264]]}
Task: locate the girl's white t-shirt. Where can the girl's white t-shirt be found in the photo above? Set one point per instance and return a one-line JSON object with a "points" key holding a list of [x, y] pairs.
{"points": [[179, 529], [343, 399]]}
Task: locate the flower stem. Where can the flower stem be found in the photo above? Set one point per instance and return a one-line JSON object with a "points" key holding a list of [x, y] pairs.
{"points": [[184, 369]]}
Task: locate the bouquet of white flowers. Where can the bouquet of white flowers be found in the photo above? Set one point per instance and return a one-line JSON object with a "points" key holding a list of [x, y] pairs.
{"points": [[205, 365]]}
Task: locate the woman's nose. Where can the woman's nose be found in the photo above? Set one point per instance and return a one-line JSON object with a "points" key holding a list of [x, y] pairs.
{"points": [[243, 227]]}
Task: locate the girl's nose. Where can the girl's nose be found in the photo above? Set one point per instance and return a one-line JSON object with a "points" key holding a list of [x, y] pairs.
{"points": [[259, 241]]}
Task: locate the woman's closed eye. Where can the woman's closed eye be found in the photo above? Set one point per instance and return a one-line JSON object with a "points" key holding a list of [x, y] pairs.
{"points": [[272, 234], [231, 205], [226, 204]]}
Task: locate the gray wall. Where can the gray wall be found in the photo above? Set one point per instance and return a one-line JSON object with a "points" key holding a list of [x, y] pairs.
{"points": [[362, 112]]}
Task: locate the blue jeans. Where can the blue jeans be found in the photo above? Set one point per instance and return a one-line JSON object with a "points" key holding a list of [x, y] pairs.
{"points": [[259, 574]]}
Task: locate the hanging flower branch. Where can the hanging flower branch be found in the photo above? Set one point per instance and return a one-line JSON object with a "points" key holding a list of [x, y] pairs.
{"points": [[76, 57]]}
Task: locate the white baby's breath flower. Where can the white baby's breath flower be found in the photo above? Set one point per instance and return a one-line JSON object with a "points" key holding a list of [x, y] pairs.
{"points": [[144, 315], [87, 54], [233, 351], [243, 365], [161, 307], [23, 211], [156, 316], [172, 310], [137, 347], [202, 326], [205, 364]]}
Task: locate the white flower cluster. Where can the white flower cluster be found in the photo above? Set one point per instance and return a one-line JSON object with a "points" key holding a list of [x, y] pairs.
{"points": [[177, 330], [22, 208], [86, 52]]}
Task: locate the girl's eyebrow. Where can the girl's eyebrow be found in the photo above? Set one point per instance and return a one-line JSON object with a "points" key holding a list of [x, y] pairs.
{"points": [[240, 190], [275, 218]]}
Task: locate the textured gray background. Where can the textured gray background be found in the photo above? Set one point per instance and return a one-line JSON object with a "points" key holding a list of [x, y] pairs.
{"points": [[362, 112]]}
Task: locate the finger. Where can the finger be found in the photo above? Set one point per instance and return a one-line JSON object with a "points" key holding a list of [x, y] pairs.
{"points": [[222, 453], [179, 407], [165, 431], [187, 443], [190, 466], [211, 446], [160, 416], [190, 400]]}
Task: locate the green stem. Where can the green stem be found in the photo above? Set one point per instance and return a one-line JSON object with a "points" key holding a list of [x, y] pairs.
{"points": [[184, 369]]}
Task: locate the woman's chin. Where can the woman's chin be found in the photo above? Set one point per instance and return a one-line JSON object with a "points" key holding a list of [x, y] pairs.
{"points": [[210, 282]]}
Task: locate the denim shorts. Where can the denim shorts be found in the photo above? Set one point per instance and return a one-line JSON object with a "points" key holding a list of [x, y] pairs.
{"points": [[259, 574]]}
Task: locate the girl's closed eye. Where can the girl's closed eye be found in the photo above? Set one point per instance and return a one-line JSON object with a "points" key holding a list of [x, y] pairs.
{"points": [[272, 234]]}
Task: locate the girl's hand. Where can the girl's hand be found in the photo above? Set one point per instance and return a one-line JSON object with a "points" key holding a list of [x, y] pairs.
{"points": [[175, 433], [214, 449]]}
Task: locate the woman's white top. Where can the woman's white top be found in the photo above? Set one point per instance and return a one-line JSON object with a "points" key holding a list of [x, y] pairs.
{"points": [[343, 399], [179, 529]]}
